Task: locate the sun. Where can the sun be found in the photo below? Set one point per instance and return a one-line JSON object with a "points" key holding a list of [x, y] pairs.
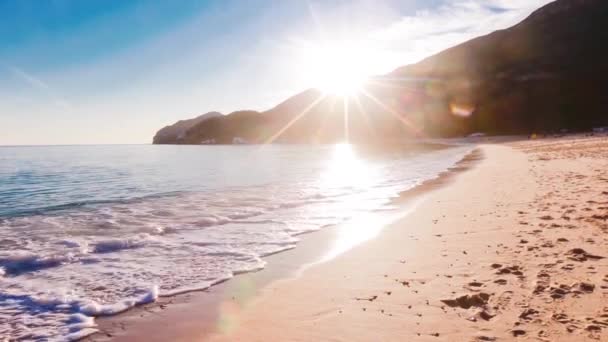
{"points": [[341, 82], [337, 68]]}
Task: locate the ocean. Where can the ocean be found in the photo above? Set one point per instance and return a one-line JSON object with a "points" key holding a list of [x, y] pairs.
{"points": [[87, 231]]}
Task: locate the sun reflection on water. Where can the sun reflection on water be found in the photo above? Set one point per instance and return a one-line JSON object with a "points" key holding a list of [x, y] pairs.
{"points": [[346, 169]]}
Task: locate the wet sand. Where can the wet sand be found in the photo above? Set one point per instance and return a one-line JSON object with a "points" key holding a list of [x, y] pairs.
{"points": [[513, 248]]}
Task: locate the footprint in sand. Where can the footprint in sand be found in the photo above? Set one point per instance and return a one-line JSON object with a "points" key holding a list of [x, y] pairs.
{"points": [[500, 281], [579, 254], [542, 282], [515, 270], [605, 286], [562, 318], [560, 291], [504, 299], [528, 314], [518, 332], [584, 287], [568, 267], [468, 301]]}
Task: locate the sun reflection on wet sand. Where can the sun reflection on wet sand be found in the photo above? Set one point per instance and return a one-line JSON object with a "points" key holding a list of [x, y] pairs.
{"points": [[347, 170], [369, 215], [362, 228]]}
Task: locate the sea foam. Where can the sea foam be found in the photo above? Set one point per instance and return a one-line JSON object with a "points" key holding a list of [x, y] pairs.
{"points": [[59, 269]]}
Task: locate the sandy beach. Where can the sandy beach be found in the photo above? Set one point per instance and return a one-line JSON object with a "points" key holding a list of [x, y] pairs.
{"points": [[514, 247]]}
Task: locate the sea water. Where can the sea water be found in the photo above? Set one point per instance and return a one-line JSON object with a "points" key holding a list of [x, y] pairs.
{"points": [[87, 231]]}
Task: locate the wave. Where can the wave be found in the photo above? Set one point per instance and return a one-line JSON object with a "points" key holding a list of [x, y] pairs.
{"points": [[22, 262], [92, 308], [82, 260], [74, 318], [90, 204], [114, 245]]}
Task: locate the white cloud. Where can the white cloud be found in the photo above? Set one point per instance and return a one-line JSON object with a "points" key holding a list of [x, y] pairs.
{"points": [[387, 40], [427, 32]]}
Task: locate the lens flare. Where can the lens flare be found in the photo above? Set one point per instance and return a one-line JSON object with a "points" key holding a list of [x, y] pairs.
{"points": [[462, 110]]}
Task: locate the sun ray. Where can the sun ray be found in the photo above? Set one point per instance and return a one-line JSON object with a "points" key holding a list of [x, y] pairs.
{"points": [[364, 115], [407, 123], [296, 118], [324, 118], [346, 133], [398, 83]]}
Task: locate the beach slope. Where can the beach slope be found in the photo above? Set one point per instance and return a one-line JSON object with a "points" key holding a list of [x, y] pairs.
{"points": [[513, 248]]}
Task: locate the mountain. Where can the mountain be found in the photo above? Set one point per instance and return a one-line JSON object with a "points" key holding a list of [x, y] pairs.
{"points": [[309, 117], [544, 74], [176, 132]]}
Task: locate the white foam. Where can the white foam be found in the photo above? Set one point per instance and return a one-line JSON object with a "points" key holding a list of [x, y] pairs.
{"points": [[114, 245], [211, 221], [58, 272], [92, 308], [24, 261], [80, 334]]}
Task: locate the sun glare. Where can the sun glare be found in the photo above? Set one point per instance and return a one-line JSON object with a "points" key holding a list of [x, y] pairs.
{"points": [[346, 169], [338, 68]]}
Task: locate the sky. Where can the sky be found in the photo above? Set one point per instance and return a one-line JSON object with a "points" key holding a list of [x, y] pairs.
{"points": [[115, 71]]}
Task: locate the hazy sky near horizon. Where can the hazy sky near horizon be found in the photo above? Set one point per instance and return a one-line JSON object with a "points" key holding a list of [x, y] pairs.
{"points": [[115, 71]]}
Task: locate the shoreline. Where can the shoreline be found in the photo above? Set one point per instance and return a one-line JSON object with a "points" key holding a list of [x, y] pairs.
{"points": [[514, 249], [280, 266]]}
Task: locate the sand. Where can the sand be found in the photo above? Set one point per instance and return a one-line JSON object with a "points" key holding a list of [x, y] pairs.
{"points": [[513, 248]]}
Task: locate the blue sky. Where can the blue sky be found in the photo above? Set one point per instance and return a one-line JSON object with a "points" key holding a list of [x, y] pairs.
{"points": [[114, 71]]}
